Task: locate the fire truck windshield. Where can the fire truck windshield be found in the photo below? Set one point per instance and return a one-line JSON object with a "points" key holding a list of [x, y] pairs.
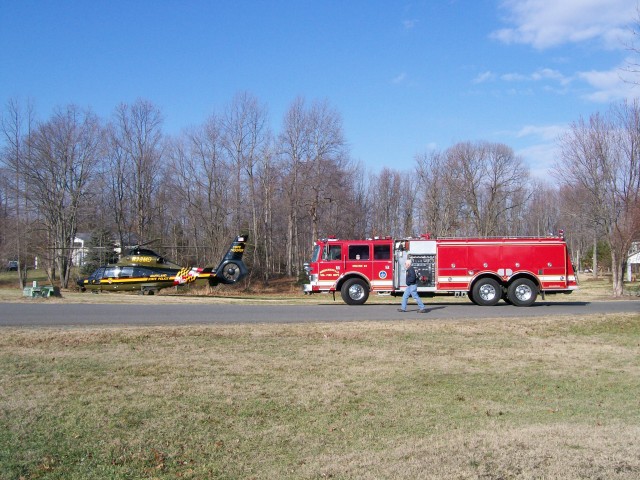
{"points": [[315, 256]]}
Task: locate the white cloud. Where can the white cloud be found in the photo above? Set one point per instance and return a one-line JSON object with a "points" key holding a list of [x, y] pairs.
{"points": [[544, 132], [400, 78], [410, 24], [548, 23], [608, 85], [514, 77], [484, 77], [540, 157], [537, 76], [603, 85], [550, 74], [538, 147]]}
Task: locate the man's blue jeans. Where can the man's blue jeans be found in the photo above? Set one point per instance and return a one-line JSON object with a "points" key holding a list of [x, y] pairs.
{"points": [[412, 290]]}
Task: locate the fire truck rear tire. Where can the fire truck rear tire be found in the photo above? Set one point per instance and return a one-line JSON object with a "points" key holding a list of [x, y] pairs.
{"points": [[505, 298], [470, 296], [522, 292], [486, 292], [354, 292]]}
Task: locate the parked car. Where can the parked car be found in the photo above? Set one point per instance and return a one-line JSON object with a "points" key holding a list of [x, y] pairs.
{"points": [[12, 265]]}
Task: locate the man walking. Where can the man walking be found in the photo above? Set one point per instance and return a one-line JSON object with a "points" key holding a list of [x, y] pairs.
{"points": [[412, 288]]}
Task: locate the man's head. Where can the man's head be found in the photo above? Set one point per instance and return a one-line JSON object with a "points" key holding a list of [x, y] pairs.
{"points": [[407, 263]]}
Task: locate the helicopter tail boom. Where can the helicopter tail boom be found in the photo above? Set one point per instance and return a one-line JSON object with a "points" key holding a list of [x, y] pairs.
{"points": [[231, 269]]}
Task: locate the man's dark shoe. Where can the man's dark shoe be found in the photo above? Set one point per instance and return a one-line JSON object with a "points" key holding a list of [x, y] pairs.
{"points": [[422, 310], [401, 310]]}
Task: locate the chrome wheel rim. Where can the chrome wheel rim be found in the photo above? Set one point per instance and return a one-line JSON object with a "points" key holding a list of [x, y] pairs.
{"points": [[487, 292], [356, 292], [523, 293]]}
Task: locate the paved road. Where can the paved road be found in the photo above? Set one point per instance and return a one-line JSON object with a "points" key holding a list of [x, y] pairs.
{"points": [[43, 314]]}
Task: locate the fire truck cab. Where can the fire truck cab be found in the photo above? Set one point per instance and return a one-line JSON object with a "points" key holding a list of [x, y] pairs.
{"points": [[487, 270]]}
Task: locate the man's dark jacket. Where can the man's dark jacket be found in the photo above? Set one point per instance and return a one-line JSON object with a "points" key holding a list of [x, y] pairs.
{"points": [[412, 278]]}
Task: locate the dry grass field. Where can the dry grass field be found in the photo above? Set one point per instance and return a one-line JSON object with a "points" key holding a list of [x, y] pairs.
{"points": [[490, 399], [485, 399]]}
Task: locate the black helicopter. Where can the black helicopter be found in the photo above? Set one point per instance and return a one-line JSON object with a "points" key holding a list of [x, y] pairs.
{"points": [[146, 271]]}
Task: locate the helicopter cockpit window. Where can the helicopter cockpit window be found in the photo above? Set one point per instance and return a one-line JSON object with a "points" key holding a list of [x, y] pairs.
{"points": [[141, 272], [111, 272], [98, 274], [126, 272]]}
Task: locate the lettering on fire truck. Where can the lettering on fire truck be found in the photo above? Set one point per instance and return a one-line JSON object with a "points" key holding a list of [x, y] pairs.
{"points": [[487, 270]]}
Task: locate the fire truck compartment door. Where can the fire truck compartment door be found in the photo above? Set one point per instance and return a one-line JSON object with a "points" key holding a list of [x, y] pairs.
{"points": [[422, 247]]}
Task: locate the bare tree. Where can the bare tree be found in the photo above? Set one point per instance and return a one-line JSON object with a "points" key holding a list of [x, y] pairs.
{"points": [[440, 205], [633, 65], [492, 182], [601, 156], [392, 197], [202, 178], [472, 189], [356, 226], [578, 219], [316, 176], [541, 215], [326, 160], [245, 136], [136, 156], [267, 173], [294, 150], [66, 151], [117, 184], [16, 126]]}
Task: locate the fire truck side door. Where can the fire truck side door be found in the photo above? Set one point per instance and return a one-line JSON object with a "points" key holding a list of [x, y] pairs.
{"points": [[359, 259], [382, 267], [331, 265]]}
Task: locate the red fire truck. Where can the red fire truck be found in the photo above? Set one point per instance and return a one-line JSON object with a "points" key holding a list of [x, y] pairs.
{"points": [[485, 269]]}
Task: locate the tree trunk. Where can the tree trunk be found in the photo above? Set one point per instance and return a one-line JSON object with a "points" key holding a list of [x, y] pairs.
{"points": [[594, 273], [617, 273]]}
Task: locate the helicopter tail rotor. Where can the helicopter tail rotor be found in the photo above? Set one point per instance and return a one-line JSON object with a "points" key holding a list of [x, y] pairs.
{"points": [[231, 269]]}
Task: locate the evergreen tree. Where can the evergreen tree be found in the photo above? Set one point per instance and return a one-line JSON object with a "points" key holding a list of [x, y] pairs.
{"points": [[100, 251]]}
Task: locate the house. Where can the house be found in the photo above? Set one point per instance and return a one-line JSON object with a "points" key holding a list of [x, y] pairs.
{"points": [[633, 261], [80, 250]]}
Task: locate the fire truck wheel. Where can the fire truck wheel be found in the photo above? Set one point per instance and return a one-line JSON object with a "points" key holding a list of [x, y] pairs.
{"points": [[354, 291], [505, 298], [486, 292], [470, 297], [522, 292]]}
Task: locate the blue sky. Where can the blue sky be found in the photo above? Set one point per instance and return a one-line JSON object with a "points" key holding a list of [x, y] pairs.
{"points": [[405, 76]]}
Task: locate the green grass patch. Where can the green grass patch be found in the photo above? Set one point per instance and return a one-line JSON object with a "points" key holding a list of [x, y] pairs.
{"points": [[11, 279], [529, 398]]}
